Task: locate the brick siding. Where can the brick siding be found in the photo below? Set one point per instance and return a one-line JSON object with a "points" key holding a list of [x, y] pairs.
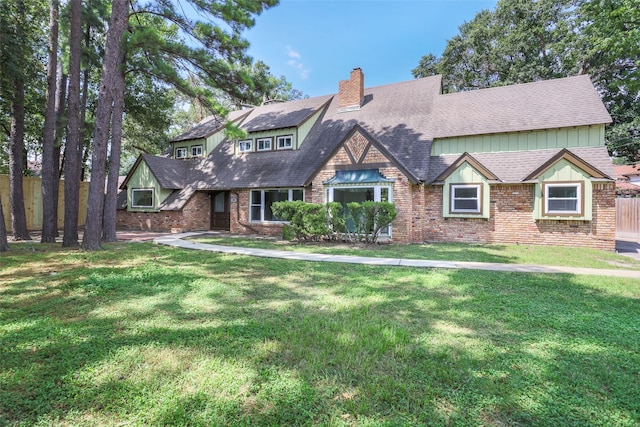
{"points": [[194, 216], [419, 210]]}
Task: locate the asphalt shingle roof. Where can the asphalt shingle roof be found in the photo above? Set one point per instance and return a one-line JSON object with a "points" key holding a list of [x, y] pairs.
{"points": [[209, 126], [402, 119], [548, 104], [515, 166]]}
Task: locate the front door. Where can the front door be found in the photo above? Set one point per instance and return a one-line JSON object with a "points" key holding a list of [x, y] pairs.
{"points": [[220, 218]]}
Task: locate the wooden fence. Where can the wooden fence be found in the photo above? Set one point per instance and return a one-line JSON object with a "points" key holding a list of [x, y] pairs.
{"points": [[32, 191], [628, 218]]}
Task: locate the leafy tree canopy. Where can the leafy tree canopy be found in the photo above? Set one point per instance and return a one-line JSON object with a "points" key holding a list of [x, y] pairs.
{"points": [[528, 40]]}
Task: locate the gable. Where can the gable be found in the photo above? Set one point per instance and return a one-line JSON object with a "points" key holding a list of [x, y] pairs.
{"points": [[565, 156], [359, 150], [465, 162]]}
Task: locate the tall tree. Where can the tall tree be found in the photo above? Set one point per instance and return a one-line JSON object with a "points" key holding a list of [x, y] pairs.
{"points": [[4, 245], [49, 159], [73, 151], [111, 198], [17, 162], [527, 40], [104, 112]]}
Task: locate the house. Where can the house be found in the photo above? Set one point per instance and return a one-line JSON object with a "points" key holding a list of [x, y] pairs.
{"points": [[628, 180], [513, 164]]}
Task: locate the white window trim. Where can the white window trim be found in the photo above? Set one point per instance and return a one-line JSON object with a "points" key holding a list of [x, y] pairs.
{"points": [[284, 138], [153, 197], [181, 150], [377, 197], [247, 142], [259, 140], [262, 204], [452, 198], [193, 147], [578, 198]]}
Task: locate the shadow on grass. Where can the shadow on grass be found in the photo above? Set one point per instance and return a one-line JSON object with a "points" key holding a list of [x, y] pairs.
{"points": [[182, 337]]}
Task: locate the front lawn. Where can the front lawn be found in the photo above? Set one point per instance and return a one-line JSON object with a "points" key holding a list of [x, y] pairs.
{"points": [[509, 254], [146, 335]]}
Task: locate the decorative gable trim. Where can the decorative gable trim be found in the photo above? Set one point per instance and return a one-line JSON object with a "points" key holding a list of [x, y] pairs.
{"points": [[468, 158], [359, 153], [567, 155]]}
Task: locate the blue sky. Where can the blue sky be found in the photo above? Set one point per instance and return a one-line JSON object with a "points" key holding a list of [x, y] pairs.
{"points": [[316, 43]]}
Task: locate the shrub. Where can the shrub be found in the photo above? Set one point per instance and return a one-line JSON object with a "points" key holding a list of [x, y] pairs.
{"points": [[358, 221], [370, 218]]}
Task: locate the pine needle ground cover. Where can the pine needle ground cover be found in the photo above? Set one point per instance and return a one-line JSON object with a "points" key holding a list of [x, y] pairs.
{"points": [[145, 335]]}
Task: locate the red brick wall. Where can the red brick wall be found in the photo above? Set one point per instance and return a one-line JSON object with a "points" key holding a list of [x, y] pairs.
{"points": [[512, 220], [419, 211], [194, 216], [240, 217]]}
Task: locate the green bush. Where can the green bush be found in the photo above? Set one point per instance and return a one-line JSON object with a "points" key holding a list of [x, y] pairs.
{"points": [[370, 218], [357, 221]]}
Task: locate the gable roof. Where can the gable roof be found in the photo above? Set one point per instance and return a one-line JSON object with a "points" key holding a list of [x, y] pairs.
{"points": [[466, 158], [282, 114], [170, 173], [402, 120], [547, 104], [518, 166], [210, 125]]}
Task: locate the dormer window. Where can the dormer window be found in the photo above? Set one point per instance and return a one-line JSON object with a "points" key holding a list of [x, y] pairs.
{"points": [[264, 144], [245, 145], [196, 151], [285, 142], [181, 153]]}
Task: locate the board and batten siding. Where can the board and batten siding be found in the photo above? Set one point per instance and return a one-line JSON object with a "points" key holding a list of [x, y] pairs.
{"points": [[305, 128], [143, 179], [582, 136], [564, 171], [465, 174]]}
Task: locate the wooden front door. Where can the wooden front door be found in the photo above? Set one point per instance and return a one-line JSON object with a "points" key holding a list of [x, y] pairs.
{"points": [[220, 218]]}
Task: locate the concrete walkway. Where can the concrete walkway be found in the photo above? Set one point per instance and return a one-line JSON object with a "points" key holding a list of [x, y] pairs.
{"points": [[177, 240]]}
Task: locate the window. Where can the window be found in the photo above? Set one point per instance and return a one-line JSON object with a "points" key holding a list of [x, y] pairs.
{"points": [[347, 195], [142, 198], [261, 201], [244, 146], [264, 144], [285, 142], [563, 198], [465, 198], [181, 153], [196, 151]]}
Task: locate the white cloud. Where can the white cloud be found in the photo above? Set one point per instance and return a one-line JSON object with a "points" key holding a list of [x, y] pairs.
{"points": [[296, 63]]}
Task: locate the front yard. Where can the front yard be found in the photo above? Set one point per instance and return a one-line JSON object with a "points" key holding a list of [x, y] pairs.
{"points": [[147, 335]]}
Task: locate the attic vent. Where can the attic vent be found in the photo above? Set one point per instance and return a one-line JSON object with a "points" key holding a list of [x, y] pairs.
{"points": [[351, 92]]}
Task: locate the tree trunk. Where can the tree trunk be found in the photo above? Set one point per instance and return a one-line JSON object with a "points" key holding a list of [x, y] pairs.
{"points": [[17, 157], [4, 246], [73, 147], [111, 199], [16, 164], [61, 102], [110, 71], [49, 169]]}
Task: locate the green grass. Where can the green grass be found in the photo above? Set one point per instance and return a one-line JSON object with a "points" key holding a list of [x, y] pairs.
{"points": [[147, 335], [510, 254]]}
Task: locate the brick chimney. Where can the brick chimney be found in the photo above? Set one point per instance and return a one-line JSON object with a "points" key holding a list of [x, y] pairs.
{"points": [[351, 92]]}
